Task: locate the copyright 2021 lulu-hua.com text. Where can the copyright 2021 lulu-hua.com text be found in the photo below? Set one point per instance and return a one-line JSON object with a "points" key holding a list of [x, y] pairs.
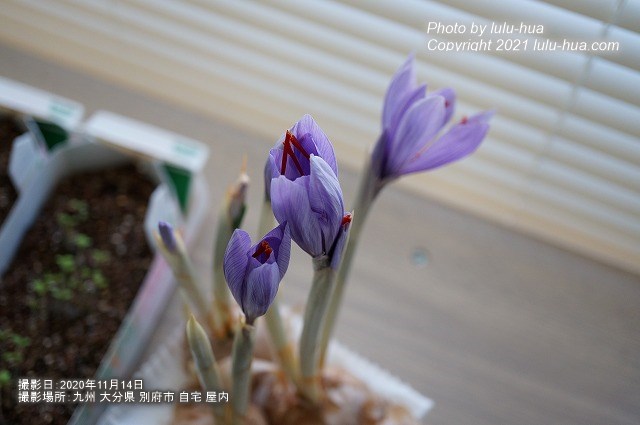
{"points": [[505, 37]]}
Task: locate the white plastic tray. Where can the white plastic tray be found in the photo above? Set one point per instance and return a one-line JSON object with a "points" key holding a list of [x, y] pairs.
{"points": [[164, 371]]}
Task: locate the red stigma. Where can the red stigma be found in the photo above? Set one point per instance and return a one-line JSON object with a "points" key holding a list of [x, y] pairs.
{"points": [[346, 219], [446, 103], [289, 140], [263, 248], [464, 120]]}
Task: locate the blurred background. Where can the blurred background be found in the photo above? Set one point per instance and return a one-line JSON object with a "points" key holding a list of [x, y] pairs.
{"points": [[505, 287]]}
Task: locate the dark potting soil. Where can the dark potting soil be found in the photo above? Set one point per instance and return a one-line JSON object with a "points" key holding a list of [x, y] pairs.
{"points": [[9, 130], [70, 285]]}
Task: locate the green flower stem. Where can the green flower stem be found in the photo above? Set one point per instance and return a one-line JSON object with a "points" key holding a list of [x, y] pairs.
{"points": [[205, 363], [314, 318], [273, 318], [283, 347], [185, 274], [221, 299], [364, 198], [242, 354]]}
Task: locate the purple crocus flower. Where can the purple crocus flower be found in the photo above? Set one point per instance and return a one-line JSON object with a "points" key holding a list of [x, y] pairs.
{"points": [[254, 272], [304, 187], [411, 122]]}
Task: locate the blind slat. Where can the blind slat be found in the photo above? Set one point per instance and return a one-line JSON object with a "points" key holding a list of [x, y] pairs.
{"points": [[614, 80], [623, 172], [598, 108], [601, 138], [602, 10], [630, 15], [599, 215], [598, 190]]}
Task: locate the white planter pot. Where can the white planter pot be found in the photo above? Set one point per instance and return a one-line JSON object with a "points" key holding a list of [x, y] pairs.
{"points": [[158, 286], [164, 371]]}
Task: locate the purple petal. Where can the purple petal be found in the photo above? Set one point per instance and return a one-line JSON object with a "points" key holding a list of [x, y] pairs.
{"points": [[461, 140], [280, 241], [275, 161], [168, 238], [290, 203], [339, 244], [275, 234], [284, 252], [483, 116], [449, 102], [262, 287], [401, 88], [324, 148], [419, 125], [325, 198], [410, 100], [235, 262]]}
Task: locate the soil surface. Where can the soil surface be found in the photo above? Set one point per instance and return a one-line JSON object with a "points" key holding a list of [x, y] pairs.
{"points": [[70, 286], [9, 130]]}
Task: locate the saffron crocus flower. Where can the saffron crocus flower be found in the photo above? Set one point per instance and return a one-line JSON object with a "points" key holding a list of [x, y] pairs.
{"points": [[413, 139], [254, 272], [304, 187], [411, 123]]}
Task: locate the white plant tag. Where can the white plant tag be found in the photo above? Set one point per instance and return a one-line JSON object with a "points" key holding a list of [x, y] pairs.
{"points": [[147, 141], [26, 158], [29, 100]]}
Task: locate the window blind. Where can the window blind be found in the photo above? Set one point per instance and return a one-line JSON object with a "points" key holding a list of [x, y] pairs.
{"points": [[562, 159]]}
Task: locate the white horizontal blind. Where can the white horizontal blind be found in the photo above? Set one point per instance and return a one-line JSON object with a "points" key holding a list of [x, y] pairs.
{"points": [[562, 160]]}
